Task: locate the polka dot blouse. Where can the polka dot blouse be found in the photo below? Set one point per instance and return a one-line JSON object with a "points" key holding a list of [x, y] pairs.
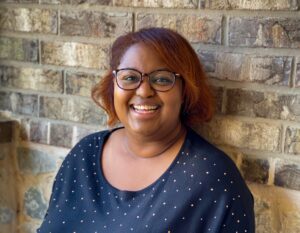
{"points": [[202, 191]]}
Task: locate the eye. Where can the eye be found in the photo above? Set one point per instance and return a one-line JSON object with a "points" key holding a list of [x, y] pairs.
{"points": [[162, 80], [129, 78]]}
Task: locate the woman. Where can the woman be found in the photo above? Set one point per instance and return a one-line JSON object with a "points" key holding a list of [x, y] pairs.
{"points": [[153, 174]]}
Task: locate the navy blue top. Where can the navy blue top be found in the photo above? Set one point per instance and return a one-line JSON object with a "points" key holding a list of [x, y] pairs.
{"points": [[202, 191]]}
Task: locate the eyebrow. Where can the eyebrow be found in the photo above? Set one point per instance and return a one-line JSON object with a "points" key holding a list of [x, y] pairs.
{"points": [[158, 69]]}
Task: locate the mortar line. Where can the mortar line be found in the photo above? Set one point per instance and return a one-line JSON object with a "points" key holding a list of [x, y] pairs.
{"points": [[239, 161], [134, 21], [252, 86], [48, 132], [64, 82], [271, 178], [224, 102], [40, 52], [293, 72], [38, 104], [198, 4], [56, 38], [58, 21], [64, 122], [260, 120], [225, 31], [74, 135], [283, 135]]}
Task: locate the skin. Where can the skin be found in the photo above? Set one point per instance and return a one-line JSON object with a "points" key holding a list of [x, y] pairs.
{"points": [[136, 149]]}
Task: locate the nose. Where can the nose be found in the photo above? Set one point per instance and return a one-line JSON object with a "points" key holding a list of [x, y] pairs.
{"points": [[145, 90]]}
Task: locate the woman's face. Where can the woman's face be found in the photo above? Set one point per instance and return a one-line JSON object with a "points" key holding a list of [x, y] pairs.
{"points": [[144, 110]]}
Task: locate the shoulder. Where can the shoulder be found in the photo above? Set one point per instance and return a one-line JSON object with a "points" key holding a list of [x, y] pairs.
{"points": [[90, 140], [197, 145], [97, 136], [82, 155], [213, 167], [86, 147]]}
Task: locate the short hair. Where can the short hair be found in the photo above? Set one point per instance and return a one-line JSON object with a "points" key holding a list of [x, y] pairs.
{"points": [[179, 56]]}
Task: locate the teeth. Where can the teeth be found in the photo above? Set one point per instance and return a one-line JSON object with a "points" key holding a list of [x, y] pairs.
{"points": [[145, 107]]}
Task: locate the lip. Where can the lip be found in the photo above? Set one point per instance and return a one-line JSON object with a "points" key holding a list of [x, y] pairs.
{"points": [[145, 111], [144, 107]]}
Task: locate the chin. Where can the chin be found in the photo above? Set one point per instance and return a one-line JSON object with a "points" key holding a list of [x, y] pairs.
{"points": [[147, 129]]}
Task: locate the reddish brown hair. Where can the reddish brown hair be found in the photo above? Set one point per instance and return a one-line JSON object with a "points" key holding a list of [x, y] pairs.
{"points": [[179, 56]]}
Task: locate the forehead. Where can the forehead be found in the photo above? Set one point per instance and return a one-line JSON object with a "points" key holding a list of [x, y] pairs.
{"points": [[141, 57]]}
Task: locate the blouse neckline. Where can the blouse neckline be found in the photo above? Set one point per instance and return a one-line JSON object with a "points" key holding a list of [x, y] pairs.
{"points": [[158, 181]]}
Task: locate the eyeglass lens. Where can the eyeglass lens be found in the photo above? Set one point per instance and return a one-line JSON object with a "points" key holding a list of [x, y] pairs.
{"points": [[159, 80]]}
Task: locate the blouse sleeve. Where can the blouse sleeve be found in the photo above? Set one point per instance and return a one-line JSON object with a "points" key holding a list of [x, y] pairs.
{"points": [[239, 217]]}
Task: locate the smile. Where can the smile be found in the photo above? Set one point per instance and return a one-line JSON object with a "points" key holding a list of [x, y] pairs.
{"points": [[145, 108]]}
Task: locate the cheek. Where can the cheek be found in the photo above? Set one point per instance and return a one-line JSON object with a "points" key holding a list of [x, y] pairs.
{"points": [[121, 99], [117, 99], [173, 102]]}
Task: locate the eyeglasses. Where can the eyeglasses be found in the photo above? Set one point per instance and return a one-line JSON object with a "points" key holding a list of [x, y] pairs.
{"points": [[159, 80]]}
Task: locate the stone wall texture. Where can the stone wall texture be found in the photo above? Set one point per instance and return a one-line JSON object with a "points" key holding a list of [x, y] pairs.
{"points": [[52, 52]]}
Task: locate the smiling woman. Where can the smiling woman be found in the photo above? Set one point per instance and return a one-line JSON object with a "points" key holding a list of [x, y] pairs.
{"points": [[153, 174], [132, 107]]}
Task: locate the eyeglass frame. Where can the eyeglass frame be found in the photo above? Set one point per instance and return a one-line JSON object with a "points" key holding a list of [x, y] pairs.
{"points": [[142, 75]]}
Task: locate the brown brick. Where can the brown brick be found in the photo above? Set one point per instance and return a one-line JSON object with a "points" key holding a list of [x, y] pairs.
{"points": [[39, 131], [31, 227], [81, 132], [76, 109], [287, 175], [76, 2], [208, 60], [263, 104], [61, 135], [19, 103], [5, 101], [292, 141], [264, 32], [250, 68], [297, 82], [218, 95], [80, 83], [54, 1], [24, 104], [158, 3], [20, 1], [28, 20], [249, 5], [5, 153], [75, 54], [264, 216], [290, 219], [35, 161], [95, 24], [237, 133], [194, 27], [6, 131], [24, 129], [255, 170], [30, 78], [19, 49]]}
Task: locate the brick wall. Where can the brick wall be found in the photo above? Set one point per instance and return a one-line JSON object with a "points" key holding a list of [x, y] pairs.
{"points": [[53, 51]]}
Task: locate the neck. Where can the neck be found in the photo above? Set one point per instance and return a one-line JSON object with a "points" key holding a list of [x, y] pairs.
{"points": [[150, 146]]}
